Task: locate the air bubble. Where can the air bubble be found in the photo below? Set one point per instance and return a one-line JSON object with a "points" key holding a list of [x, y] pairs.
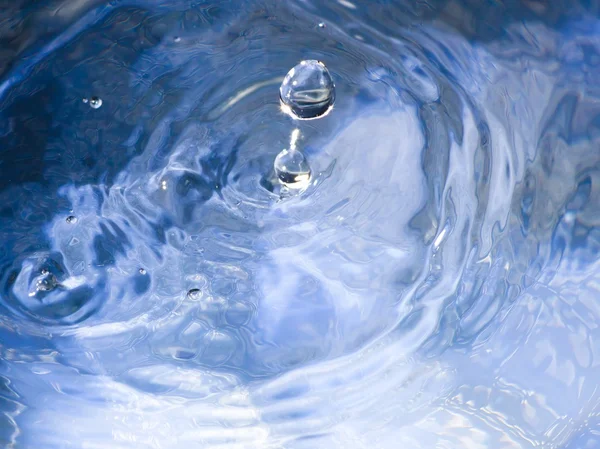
{"points": [[142, 271], [95, 102], [71, 219], [292, 169], [322, 25], [307, 91], [194, 294]]}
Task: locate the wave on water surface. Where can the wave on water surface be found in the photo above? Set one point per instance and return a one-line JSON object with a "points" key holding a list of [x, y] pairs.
{"points": [[434, 283]]}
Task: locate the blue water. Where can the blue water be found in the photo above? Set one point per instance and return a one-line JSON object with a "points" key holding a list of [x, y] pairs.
{"points": [[436, 285]]}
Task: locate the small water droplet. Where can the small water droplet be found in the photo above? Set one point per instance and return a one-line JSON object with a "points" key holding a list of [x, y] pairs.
{"points": [[292, 169], [142, 271], [71, 219], [95, 102], [322, 25], [307, 91], [194, 294], [177, 39], [85, 100]]}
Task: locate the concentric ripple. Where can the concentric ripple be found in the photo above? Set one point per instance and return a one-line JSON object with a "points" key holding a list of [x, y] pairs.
{"points": [[432, 284]]}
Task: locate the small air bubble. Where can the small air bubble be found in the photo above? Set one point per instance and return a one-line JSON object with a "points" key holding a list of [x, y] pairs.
{"points": [[71, 219], [142, 271], [85, 100], [177, 39], [322, 25], [194, 294], [95, 102]]}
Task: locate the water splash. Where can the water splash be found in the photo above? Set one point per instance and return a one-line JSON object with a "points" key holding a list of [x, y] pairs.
{"points": [[291, 166], [292, 169]]}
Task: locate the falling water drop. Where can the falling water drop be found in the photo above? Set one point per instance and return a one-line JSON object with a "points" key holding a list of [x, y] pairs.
{"points": [[95, 102], [292, 169], [307, 91]]}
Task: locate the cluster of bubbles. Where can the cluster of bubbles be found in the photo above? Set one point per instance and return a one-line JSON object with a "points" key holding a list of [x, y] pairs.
{"points": [[45, 282], [306, 93]]}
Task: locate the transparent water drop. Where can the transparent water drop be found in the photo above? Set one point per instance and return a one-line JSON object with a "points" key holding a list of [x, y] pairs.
{"points": [[71, 219], [142, 271], [307, 91], [194, 294], [292, 169], [322, 25], [95, 102], [85, 100], [177, 39]]}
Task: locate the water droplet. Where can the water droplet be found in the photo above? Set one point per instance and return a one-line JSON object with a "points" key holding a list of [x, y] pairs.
{"points": [[194, 294], [95, 102], [71, 219], [322, 25], [142, 271], [177, 39], [292, 169], [85, 100], [307, 91]]}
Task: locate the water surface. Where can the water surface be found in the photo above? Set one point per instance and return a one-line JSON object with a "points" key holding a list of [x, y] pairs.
{"points": [[435, 286]]}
